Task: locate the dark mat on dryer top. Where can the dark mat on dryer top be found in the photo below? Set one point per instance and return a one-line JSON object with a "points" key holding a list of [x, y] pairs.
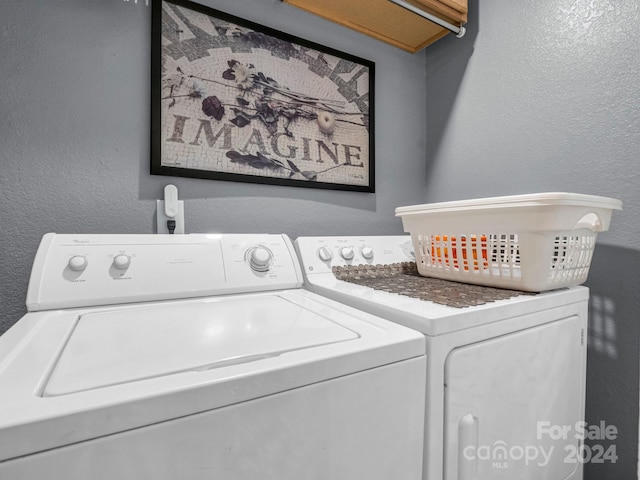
{"points": [[404, 279]]}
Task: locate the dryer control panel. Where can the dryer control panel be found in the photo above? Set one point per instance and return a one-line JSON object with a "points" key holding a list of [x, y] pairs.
{"points": [[87, 270], [320, 254]]}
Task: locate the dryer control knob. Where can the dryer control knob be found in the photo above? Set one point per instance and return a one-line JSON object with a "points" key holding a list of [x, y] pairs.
{"points": [[325, 254], [367, 252], [121, 262], [260, 259], [78, 263], [346, 253]]}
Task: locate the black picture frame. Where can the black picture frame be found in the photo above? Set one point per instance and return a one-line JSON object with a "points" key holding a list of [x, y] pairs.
{"points": [[235, 100]]}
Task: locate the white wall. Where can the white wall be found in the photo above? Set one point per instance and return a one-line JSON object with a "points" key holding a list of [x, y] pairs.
{"points": [[544, 95]]}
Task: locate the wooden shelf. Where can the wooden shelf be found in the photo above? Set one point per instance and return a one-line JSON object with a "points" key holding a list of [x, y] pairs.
{"points": [[388, 22]]}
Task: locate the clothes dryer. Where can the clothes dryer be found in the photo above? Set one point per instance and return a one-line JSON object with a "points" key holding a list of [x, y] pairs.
{"points": [[505, 370]]}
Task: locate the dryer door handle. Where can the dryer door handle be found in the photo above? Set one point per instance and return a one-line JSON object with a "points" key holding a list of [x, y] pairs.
{"points": [[468, 447]]}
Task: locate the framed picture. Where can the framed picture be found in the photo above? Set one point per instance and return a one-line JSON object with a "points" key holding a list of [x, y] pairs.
{"points": [[234, 100]]}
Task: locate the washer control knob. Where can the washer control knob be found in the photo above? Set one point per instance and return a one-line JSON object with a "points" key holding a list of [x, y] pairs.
{"points": [[346, 253], [121, 262], [325, 254], [367, 252], [260, 259], [78, 263]]}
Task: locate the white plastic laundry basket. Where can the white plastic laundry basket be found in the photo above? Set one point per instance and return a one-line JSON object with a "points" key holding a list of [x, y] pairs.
{"points": [[530, 242]]}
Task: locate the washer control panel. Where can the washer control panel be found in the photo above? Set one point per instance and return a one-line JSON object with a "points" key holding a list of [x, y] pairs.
{"points": [[87, 270], [320, 254]]}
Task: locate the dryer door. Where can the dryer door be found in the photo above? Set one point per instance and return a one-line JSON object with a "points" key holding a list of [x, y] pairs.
{"points": [[512, 404]]}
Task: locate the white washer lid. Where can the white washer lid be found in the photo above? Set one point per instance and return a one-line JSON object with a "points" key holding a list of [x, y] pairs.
{"points": [[120, 346], [32, 423]]}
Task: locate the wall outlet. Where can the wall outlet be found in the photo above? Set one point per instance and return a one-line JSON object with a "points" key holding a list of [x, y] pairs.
{"points": [[162, 218]]}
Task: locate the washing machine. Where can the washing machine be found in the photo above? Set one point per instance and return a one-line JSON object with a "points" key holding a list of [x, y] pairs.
{"points": [[505, 385], [200, 357]]}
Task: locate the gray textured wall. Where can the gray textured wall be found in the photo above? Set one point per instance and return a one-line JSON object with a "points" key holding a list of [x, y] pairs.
{"points": [[544, 95], [539, 96], [74, 135]]}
